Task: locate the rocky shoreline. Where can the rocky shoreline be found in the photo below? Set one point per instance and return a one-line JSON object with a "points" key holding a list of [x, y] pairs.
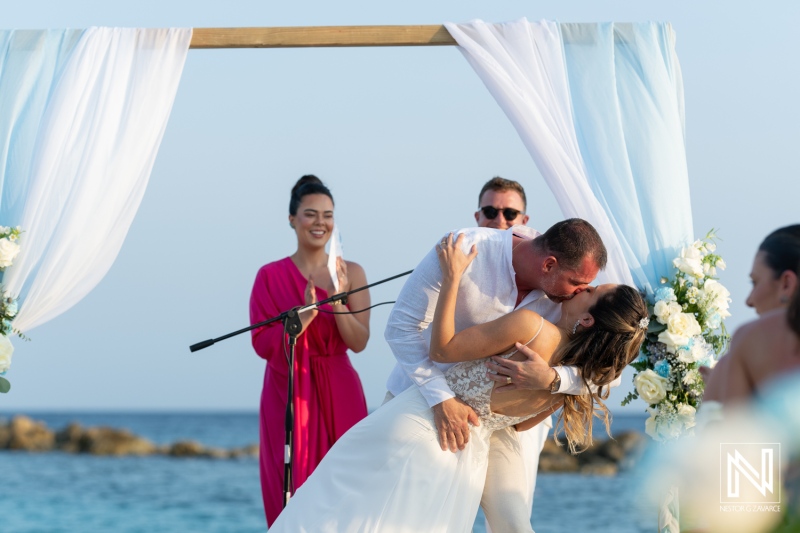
{"points": [[606, 457], [23, 434]]}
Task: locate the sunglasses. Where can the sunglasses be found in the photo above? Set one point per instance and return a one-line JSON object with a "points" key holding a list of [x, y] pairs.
{"points": [[508, 213]]}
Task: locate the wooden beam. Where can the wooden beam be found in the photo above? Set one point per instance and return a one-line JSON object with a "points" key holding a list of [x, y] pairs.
{"points": [[321, 36]]}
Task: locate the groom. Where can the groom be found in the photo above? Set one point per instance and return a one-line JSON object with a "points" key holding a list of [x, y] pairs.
{"points": [[514, 268]]}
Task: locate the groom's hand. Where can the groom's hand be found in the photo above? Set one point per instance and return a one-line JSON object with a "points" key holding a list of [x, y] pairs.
{"points": [[533, 373], [452, 418]]}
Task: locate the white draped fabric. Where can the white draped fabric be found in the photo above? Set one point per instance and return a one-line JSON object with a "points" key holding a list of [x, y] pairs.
{"points": [[90, 159], [600, 109]]}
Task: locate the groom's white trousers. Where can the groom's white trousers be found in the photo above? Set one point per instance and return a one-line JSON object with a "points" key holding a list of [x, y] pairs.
{"points": [[507, 499]]}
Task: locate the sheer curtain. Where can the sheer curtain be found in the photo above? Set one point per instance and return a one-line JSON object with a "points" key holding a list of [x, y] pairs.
{"points": [[29, 62], [94, 148], [627, 98], [600, 109]]}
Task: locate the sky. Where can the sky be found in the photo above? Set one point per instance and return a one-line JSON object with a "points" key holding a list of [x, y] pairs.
{"points": [[405, 138]]}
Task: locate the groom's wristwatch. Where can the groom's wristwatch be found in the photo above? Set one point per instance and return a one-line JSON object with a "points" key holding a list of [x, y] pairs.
{"points": [[556, 383]]}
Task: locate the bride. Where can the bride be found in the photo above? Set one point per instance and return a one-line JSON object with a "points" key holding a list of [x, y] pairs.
{"points": [[389, 474]]}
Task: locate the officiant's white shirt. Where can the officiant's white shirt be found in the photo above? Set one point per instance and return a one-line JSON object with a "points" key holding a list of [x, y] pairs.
{"points": [[486, 292]]}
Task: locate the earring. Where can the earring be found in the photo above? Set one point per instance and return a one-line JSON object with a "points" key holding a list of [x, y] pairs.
{"points": [[575, 327], [291, 226]]}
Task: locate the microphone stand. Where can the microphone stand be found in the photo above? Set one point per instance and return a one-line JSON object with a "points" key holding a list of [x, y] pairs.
{"points": [[291, 327]]}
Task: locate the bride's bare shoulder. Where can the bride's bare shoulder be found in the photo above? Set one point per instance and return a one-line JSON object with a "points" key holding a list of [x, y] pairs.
{"points": [[547, 339]]}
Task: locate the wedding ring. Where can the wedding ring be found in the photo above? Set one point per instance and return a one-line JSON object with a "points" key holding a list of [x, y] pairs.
{"points": [[508, 379]]}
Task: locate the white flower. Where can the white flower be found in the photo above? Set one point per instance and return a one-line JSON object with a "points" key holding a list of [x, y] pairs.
{"points": [[663, 310], [680, 328], [8, 251], [690, 261], [650, 425], [717, 297], [686, 415], [662, 428], [692, 377], [6, 349], [699, 351], [651, 387], [710, 246], [720, 264], [709, 270]]}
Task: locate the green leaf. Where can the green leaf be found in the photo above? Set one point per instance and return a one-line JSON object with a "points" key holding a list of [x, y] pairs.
{"points": [[629, 398], [5, 386]]}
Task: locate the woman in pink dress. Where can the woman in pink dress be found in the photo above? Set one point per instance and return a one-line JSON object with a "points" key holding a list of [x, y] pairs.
{"points": [[328, 397]]}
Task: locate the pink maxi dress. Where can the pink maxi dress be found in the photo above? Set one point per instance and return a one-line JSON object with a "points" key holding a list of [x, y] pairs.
{"points": [[329, 398]]}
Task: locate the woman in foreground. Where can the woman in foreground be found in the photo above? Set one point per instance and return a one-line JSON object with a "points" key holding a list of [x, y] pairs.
{"points": [[389, 474], [769, 347]]}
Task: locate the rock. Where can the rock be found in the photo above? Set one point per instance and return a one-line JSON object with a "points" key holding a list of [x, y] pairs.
{"points": [[186, 448], [5, 436], [110, 441], [248, 451], [626, 449], [555, 458], [29, 435], [215, 453], [599, 466], [69, 439]]}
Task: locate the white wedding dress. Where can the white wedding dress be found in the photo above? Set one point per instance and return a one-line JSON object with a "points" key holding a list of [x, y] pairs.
{"points": [[388, 473]]}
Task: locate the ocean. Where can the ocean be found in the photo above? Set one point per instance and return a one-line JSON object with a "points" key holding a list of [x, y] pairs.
{"points": [[58, 492]]}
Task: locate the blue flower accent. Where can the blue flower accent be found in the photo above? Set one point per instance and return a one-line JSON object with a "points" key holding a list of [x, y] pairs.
{"points": [[665, 294], [662, 368], [714, 321]]}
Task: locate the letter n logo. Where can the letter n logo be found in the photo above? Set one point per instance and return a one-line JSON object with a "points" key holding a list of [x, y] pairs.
{"points": [[750, 472]]}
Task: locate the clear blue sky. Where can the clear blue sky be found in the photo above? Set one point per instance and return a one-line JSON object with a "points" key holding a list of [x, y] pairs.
{"points": [[405, 137]]}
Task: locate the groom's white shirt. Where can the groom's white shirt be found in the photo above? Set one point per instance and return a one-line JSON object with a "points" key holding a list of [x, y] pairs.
{"points": [[486, 292]]}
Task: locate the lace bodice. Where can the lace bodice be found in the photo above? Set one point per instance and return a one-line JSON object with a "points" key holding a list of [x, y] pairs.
{"points": [[469, 382]]}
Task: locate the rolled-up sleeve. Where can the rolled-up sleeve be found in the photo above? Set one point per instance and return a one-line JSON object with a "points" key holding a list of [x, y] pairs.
{"points": [[410, 317], [572, 383]]}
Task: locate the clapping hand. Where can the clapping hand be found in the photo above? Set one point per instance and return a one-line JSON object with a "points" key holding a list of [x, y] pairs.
{"points": [[310, 297], [341, 275]]}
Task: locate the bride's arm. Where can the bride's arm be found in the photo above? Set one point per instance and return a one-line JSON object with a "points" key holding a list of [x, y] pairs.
{"points": [[481, 340]]}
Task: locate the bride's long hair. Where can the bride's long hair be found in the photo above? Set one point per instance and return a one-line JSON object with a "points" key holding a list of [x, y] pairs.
{"points": [[601, 351]]}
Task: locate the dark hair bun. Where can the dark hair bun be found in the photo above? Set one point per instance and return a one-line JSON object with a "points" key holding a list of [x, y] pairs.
{"points": [[308, 184], [308, 178]]}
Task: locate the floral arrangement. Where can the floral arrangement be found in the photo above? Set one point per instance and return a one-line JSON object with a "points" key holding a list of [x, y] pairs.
{"points": [[9, 249], [686, 331]]}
